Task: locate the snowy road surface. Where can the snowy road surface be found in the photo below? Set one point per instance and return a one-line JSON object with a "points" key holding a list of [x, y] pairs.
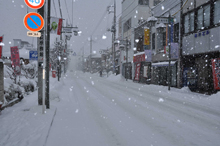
{"points": [[95, 111], [102, 112]]}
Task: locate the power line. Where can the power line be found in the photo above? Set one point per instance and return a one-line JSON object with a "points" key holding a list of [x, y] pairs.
{"points": [[54, 8], [60, 9], [126, 9], [67, 10], [97, 24]]}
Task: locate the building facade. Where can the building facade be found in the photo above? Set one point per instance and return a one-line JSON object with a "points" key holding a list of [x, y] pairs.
{"points": [[133, 14], [201, 43]]}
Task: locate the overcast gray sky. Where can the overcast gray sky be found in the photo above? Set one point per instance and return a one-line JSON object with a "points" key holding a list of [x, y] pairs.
{"points": [[86, 15]]}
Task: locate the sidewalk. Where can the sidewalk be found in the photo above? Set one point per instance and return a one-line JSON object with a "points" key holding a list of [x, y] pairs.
{"points": [[24, 124]]}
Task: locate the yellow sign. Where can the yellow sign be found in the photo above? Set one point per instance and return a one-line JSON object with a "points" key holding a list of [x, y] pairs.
{"points": [[146, 36]]}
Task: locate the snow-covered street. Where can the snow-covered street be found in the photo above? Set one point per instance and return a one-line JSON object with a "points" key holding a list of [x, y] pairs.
{"points": [[110, 111]]}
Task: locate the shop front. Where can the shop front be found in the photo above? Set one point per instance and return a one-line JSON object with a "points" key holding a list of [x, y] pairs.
{"points": [[142, 68], [198, 72], [161, 73]]}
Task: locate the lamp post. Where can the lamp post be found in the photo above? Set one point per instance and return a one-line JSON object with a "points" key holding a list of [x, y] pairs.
{"points": [[59, 58]]}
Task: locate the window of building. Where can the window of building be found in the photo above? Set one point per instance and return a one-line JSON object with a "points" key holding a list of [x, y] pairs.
{"points": [[153, 41], [186, 24], [203, 17], [176, 33], [207, 16], [127, 25], [200, 19], [191, 20], [217, 12], [164, 38], [143, 2]]}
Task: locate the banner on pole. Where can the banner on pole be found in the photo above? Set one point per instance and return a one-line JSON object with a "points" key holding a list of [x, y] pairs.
{"points": [[216, 73], [146, 36], [15, 59], [137, 72], [54, 25], [59, 27]]}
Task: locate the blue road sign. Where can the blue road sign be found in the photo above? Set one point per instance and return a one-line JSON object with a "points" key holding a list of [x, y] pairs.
{"points": [[33, 21], [74, 54], [33, 55]]}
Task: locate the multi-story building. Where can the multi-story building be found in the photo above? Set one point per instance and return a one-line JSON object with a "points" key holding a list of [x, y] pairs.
{"points": [[134, 12], [153, 37], [164, 36], [201, 43]]}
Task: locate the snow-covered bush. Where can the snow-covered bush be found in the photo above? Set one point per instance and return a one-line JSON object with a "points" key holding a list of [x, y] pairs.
{"points": [[30, 70], [14, 91]]}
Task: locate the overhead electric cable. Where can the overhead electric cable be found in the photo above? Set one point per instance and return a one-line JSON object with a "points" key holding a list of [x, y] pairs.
{"points": [[67, 10], [54, 8], [60, 9]]}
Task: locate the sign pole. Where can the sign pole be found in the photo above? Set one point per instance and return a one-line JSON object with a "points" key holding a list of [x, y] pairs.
{"points": [[40, 49], [47, 57]]}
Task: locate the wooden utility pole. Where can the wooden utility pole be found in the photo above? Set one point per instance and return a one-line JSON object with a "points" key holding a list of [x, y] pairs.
{"points": [[90, 54]]}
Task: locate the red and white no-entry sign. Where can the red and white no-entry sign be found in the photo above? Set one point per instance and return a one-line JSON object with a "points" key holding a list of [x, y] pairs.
{"points": [[34, 4]]}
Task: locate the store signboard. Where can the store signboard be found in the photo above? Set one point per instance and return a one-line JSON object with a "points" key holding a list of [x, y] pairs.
{"points": [[139, 57], [146, 36], [15, 59], [216, 73], [137, 72], [148, 55]]}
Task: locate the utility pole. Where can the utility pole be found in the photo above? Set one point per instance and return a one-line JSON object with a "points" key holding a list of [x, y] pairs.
{"points": [[47, 100], [40, 48], [169, 70], [83, 60], [90, 54], [180, 66], [126, 59], [59, 65], [114, 36], [65, 54]]}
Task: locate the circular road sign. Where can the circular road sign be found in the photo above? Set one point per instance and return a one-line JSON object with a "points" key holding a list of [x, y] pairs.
{"points": [[34, 4], [33, 21]]}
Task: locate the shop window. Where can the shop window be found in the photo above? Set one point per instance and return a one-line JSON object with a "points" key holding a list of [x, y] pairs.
{"points": [[203, 17], [217, 12], [143, 2]]}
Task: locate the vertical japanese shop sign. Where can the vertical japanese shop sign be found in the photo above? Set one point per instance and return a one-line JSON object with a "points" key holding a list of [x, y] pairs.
{"points": [[137, 72], [15, 59], [216, 73], [59, 27], [146, 36], [1, 40]]}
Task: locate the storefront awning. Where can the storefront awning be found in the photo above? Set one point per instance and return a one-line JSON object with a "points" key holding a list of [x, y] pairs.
{"points": [[164, 63]]}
